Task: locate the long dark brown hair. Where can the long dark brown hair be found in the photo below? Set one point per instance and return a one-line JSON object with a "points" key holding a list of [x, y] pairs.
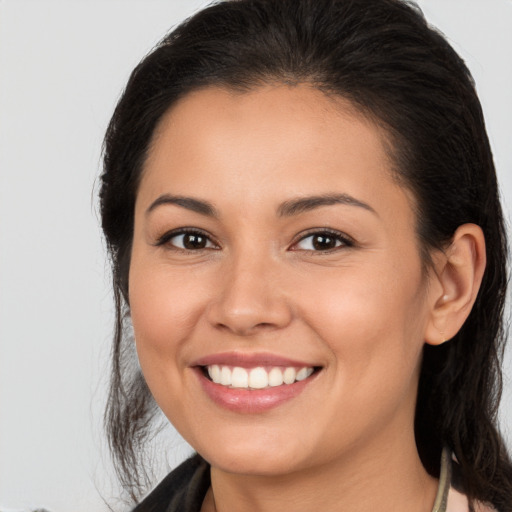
{"points": [[383, 57]]}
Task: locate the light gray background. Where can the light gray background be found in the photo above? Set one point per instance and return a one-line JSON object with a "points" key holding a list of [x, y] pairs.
{"points": [[62, 67]]}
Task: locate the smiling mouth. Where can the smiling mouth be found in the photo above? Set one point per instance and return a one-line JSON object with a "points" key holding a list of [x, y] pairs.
{"points": [[259, 377]]}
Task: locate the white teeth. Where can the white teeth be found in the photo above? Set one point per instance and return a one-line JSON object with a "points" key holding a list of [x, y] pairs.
{"points": [[225, 376], [256, 378], [239, 378], [214, 373], [275, 377], [289, 375], [304, 373]]}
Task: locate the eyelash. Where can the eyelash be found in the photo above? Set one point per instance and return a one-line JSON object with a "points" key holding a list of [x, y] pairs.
{"points": [[344, 240], [341, 240], [167, 237]]}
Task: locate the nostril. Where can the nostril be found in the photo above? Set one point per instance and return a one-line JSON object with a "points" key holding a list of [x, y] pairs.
{"points": [[245, 329]]}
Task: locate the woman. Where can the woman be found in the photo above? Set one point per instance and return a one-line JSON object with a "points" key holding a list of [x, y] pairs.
{"points": [[301, 208]]}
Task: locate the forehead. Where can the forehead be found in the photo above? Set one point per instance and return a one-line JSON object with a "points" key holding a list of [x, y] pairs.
{"points": [[263, 105], [273, 141]]}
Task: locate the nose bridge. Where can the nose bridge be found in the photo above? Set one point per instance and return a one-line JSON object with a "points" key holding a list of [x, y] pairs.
{"points": [[251, 296]]}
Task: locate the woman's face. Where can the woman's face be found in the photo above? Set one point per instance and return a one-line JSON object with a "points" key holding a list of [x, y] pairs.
{"points": [[273, 249]]}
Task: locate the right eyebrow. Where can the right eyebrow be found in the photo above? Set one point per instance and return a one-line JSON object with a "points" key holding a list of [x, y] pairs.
{"points": [[195, 205]]}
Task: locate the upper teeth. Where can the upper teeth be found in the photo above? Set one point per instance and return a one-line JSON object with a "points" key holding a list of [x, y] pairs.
{"points": [[256, 378]]}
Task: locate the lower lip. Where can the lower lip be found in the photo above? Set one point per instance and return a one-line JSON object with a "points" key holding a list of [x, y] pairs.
{"points": [[251, 401]]}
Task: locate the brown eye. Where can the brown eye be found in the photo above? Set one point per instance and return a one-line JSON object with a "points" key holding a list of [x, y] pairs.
{"points": [[322, 241], [193, 241], [187, 240]]}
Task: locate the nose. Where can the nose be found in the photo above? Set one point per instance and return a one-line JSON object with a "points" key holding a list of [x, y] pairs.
{"points": [[250, 299]]}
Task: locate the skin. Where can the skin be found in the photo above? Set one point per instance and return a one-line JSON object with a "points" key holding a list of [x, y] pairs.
{"points": [[361, 310]]}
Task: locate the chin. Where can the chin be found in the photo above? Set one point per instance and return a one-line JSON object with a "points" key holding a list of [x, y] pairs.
{"points": [[253, 458], [247, 465]]}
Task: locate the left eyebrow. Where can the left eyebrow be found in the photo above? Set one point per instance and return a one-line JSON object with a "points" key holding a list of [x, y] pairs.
{"points": [[189, 203], [305, 204]]}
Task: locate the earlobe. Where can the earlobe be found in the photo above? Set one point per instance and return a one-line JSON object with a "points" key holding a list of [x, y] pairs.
{"points": [[458, 274]]}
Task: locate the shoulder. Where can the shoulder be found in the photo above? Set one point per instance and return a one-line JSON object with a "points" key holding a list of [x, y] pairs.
{"points": [[181, 490]]}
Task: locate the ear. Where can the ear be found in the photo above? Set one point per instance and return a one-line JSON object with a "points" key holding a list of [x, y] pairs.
{"points": [[454, 283]]}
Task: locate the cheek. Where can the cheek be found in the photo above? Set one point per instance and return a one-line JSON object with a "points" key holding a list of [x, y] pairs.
{"points": [[374, 314], [164, 309]]}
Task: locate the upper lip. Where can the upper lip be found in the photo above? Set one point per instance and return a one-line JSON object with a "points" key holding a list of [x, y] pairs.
{"points": [[250, 360]]}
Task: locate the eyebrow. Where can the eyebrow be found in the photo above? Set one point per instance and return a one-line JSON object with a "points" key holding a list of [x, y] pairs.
{"points": [[305, 204], [286, 209], [195, 205]]}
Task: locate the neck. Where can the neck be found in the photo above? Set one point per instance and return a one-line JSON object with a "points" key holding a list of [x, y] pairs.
{"points": [[386, 476]]}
